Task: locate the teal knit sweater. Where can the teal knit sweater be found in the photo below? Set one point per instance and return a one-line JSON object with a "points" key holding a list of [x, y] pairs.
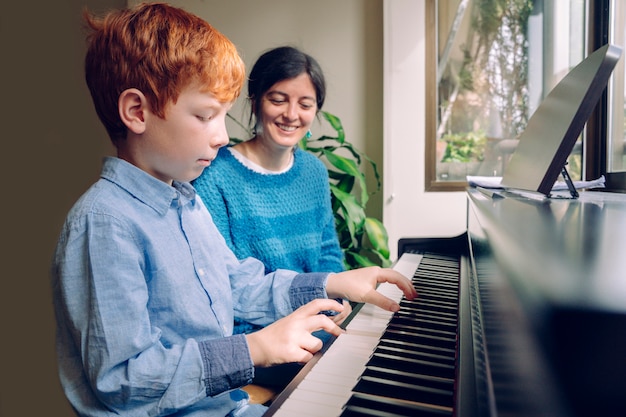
{"points": [[285, 220]]}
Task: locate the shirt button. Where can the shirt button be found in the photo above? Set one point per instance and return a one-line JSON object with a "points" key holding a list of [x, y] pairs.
{"points": [[201, 272]]}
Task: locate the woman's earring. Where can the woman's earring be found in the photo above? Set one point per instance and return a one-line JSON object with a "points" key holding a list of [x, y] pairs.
{"points": [[308, 134]]}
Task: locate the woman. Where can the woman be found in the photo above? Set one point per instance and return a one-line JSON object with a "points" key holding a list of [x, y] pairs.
{"points": [[270, 199]]}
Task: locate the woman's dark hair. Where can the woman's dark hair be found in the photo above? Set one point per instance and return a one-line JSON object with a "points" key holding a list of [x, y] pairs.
{"points": [[283, 63]]}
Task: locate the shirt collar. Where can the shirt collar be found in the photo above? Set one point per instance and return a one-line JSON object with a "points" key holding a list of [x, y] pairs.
{"points": [[144, 187]]}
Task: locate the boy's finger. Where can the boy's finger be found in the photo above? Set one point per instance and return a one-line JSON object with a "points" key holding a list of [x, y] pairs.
{"points": [[321, 304]]}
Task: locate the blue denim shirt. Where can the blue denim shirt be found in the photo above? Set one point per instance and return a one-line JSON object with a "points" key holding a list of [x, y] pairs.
{"points": [[145, 290]]}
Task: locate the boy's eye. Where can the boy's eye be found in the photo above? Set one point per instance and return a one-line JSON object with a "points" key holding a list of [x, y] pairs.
{"points": [[204, 119]]}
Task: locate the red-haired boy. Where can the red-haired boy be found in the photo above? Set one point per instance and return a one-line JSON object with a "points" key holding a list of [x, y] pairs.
{"points": [[145, 288]]}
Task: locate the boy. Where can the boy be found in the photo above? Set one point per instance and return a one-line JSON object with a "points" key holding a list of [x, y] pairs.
{"points": [[145, 288]]}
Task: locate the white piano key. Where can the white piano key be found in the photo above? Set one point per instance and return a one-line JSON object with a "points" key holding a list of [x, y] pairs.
{"points": [[332, 379], [408, 263], [307, 408], [315, 390], [328, 385]]}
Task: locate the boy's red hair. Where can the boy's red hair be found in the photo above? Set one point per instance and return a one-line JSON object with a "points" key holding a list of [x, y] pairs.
{"points": [[158, 49]]}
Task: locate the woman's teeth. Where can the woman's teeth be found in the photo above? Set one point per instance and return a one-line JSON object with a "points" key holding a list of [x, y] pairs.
{"points": [[288, 128]]}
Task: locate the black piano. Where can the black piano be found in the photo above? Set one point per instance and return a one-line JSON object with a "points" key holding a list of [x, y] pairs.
{"points": [[524, 314]]}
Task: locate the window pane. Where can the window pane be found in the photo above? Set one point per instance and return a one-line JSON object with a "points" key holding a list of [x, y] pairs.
{"points": [[617, 92], [496, 65]]}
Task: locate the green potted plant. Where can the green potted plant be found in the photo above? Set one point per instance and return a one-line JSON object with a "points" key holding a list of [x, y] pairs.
{"points": [[363, 239]]}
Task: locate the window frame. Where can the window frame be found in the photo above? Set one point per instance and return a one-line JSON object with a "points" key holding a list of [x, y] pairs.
{"points": [[431, 48], [595, 131]]}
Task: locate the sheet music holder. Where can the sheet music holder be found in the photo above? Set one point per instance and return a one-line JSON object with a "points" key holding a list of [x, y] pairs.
{"points": [[553, 129]]}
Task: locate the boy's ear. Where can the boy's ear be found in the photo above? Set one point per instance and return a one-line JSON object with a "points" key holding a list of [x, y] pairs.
{"points": [[132, 106]]}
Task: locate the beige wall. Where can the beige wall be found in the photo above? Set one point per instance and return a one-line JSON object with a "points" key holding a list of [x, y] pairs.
{"points": [[53, 144]]}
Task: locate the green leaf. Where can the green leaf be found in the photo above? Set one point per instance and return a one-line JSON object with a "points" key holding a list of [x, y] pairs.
{"points": [[349, 167], [344, 182], [377, 235], [342, 163], [354, 216], [359, 261], [336, 125], [352, 206]]}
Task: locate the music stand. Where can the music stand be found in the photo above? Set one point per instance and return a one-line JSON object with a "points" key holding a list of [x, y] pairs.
{"points": [[554, 127]]}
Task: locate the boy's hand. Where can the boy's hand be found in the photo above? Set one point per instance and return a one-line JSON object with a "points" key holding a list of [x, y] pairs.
{"points": [[359, 285], [289, 339], [339, 318]]}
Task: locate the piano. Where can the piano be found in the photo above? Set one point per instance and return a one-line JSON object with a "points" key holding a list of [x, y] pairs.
{"points": [[524, 314]]}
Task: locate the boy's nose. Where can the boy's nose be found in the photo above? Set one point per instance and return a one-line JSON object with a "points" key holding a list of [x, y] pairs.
{"points": [[220, 138]]}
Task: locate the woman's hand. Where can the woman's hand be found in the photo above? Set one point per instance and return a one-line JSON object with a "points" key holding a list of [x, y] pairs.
{"points": [[359, 285]]}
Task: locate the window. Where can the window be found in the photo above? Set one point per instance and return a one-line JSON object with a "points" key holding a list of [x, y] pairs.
{"points": [[617, 93], [492, 63]]}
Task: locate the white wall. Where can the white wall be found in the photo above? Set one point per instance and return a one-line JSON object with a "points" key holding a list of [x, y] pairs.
{"points": [[408, 210]]}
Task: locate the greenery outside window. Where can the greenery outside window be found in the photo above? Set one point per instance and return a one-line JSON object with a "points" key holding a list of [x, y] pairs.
{"points": [[489, 65]]}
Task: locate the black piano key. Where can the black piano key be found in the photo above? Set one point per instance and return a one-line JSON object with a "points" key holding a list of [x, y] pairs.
{"points": [[442, 272], [436, 299], [420, 328], [373, 405], [413, 362], [417, 313], [416, 347], [437, 278], [417, 321], [425, 355], [418, 366], [425, 300], [431, 280], [418, 388], [420, 339], [428, 304], [403, 391], [443, 384], [437, 294]]}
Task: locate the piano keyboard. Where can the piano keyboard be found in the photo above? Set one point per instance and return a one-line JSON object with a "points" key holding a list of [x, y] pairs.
{"points": [[388, 364]]}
